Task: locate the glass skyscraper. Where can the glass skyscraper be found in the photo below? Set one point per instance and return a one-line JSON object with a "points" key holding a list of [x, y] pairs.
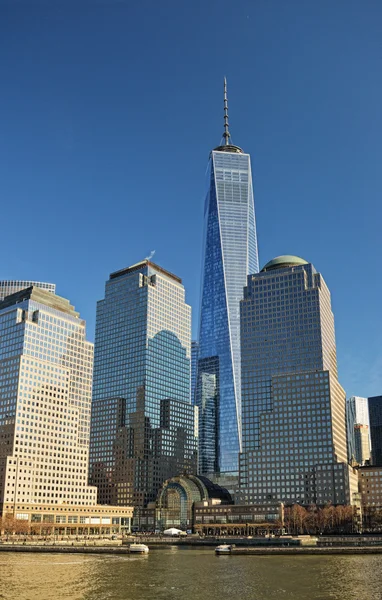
{"points": [[194, 367], [143, 423], [357, 413], [229, 255], [294, 426], [375, 412]]}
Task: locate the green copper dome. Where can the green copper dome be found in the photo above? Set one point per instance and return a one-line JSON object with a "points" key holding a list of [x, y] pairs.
{"points": [[280, 262]]}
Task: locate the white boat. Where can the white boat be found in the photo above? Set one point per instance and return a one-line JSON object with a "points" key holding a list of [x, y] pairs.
{"points": [[223, 549], [139, 548]]}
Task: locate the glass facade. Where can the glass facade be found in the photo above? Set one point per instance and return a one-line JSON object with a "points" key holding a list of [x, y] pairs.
{"points": [[142, 360], [230, 254], [357, 413], [294, 430], [375, 412], [194, 366], [46, 368], [12, 286]]}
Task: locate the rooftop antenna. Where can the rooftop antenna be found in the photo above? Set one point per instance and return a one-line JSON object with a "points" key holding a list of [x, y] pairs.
{"points": [[226, 134]]}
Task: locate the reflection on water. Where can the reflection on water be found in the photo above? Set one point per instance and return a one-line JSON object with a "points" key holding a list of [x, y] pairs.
{"points": [[190, 574]]}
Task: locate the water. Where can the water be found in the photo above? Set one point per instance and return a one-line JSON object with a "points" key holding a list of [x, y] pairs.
{"points": [[191, 574]]}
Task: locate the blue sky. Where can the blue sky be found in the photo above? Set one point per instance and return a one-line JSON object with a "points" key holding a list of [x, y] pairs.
{"points": [[109, 110]]}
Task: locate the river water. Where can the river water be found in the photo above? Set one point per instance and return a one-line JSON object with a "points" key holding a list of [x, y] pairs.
{"points": [[192, 574]]}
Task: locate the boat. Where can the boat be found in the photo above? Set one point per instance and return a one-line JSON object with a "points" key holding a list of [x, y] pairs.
{"points": [[223, 549], [138, 548]]}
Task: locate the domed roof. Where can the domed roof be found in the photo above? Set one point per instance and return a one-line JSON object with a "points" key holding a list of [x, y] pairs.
{"points": [[281, 262]]}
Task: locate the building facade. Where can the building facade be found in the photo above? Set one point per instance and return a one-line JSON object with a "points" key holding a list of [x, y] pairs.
{"points": [[357, 413], [229, 255], [194, 367], [45, 400], [375, 413], [294, 429], [362, 444], [370, 487], [12, 286], [144, 427]]}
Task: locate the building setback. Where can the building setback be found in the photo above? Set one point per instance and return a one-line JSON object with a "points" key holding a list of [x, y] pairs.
{"points": [[375, 414], [229, 255], [45, 398], [143, 423], [11, 286], [294, 431]]}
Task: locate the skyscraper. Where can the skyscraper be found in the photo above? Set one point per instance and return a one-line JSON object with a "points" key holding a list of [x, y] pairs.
{"points": [[294, 430], [229, 255], [375, 412], [357, 413], [12, 286], [46, 368], [143, 423], [194, 367]]}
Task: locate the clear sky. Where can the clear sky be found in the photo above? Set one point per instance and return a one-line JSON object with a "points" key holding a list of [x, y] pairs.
{"points": [[109, 110]]}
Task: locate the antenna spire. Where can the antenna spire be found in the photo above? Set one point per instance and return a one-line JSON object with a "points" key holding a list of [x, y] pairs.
{"points": [[226, 134]]}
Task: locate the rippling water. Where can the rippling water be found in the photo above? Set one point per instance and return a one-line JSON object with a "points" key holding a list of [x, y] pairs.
{"points": [[191, 574]]}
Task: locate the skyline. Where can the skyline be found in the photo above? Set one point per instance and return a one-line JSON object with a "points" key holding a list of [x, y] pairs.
{"points": [[315, 149]]}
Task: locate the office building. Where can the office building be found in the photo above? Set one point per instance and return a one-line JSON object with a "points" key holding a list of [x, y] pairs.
{"points": [[375, 414], [294, 430], [361, 444], [194, 367], [45, 383], [229, 255], [357, 413], [143, 423], [12, 286]]}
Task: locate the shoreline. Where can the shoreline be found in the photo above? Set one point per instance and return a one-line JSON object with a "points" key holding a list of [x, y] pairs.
{"points": [[237, 551]]}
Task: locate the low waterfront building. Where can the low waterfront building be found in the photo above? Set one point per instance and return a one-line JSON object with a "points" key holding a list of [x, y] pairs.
{"points": [[196, 504], [70, 520], [214, 518]]}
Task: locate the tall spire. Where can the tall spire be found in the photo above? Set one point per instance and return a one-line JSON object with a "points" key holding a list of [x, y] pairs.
{"points": [[226, 134], [227, 146]]}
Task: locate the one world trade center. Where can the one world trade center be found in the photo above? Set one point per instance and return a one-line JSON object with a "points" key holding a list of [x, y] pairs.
{"points": [[229, 255]]}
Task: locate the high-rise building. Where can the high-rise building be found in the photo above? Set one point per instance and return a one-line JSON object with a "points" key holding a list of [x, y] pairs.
{"points": [[45, 399], [375, 413], [194, 367], [143, 424], [357, 413], [294, 430], [229, 255], [361, 443], [12, 286]]}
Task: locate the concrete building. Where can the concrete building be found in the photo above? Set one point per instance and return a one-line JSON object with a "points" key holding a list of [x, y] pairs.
{"points": [[293, 408], [45, 400], [11, 286], [370, 487], [375, 413], [144, 427]]}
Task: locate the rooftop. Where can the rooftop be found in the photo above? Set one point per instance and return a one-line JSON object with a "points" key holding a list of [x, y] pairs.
{"points": [[42, 297], [284, 261], [141, 265]]}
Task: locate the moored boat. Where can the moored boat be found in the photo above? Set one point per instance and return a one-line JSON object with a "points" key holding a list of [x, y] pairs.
{"points": [[139, 548], [223, 549]]}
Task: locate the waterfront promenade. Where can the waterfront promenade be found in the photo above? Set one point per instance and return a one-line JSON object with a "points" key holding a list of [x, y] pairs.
{"points": [[304, 545]]}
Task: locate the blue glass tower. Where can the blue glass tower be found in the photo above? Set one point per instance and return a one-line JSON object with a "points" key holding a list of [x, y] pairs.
{"points": [[229, 255]]}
